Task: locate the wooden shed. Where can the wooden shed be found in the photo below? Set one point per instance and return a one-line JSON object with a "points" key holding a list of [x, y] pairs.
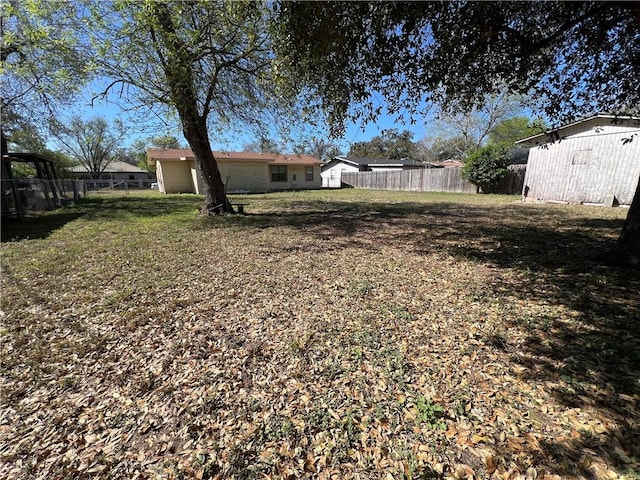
{"points": [[592, 161]]}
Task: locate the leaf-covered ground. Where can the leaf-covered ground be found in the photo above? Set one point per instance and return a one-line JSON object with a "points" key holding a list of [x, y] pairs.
{"points": [[345, 334]]}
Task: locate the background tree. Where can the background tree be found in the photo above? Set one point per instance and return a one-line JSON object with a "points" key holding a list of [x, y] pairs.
{"points": [[23, 135], [92, 143], [208, 61], [510, 130], [263, 145], [390, 144], [441, 148], [137, 153], [574, 58], [62, 163], [456, 136], [473, 128], [320, 148], [27, 137], [166, 142]]}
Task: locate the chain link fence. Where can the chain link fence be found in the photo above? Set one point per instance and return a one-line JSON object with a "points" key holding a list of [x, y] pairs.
{"points": [[24, 196]]}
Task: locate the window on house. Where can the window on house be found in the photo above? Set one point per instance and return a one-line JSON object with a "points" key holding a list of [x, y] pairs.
{"points": [[308, 174], [278, 173], [132, 177]]}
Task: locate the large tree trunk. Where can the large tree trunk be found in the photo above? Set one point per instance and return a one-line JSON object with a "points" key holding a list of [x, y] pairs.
{"points": [[629, 241], [215, 195]]}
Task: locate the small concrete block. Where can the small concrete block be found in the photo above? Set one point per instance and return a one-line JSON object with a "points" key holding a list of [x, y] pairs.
{"points": [[610, 200]]}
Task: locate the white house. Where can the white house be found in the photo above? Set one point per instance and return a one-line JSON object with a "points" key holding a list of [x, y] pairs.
{"points": [[595, 161], [178, 172], [332, 170]]}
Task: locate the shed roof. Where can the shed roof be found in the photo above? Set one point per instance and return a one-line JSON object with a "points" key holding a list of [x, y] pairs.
{"points": [[174, 154], [556, 133]]}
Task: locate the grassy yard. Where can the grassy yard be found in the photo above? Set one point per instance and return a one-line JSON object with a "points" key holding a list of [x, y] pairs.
{"points": [[328, 334]]}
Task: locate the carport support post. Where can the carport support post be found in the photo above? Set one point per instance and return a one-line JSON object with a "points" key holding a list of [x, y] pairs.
{"points": [[8, 176]]}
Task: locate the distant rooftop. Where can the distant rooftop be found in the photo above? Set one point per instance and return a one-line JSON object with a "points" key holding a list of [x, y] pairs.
{"points": [[379, 161], [113, 167]]}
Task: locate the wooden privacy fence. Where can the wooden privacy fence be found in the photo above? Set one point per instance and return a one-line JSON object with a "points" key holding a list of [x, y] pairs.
{"points": [[429, 180]]}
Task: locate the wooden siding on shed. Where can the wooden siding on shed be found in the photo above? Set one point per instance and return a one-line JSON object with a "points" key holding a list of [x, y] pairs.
{"points": [[585, 168]]}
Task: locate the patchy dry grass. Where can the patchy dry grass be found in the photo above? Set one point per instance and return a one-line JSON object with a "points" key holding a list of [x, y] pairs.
{"points": [[329, 334]]}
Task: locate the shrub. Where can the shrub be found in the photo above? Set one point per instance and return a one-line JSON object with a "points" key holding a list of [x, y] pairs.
{"points": [[487, 167]]}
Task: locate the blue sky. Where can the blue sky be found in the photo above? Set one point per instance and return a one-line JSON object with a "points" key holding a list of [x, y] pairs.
{"points": [[354, 132]]}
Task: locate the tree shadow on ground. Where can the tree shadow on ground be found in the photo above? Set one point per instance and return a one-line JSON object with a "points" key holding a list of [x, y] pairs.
{"points": [[591, 363], [36, 227], [93, 208], [123, 207]]}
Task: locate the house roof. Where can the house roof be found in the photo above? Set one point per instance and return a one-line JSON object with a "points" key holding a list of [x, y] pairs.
{"points": [[271, 158], [557, 132], [447, 164], [113, 167]]}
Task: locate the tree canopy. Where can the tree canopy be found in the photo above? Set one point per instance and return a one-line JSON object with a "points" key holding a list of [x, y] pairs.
{"points": [[44, 63], [575, 58]]}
